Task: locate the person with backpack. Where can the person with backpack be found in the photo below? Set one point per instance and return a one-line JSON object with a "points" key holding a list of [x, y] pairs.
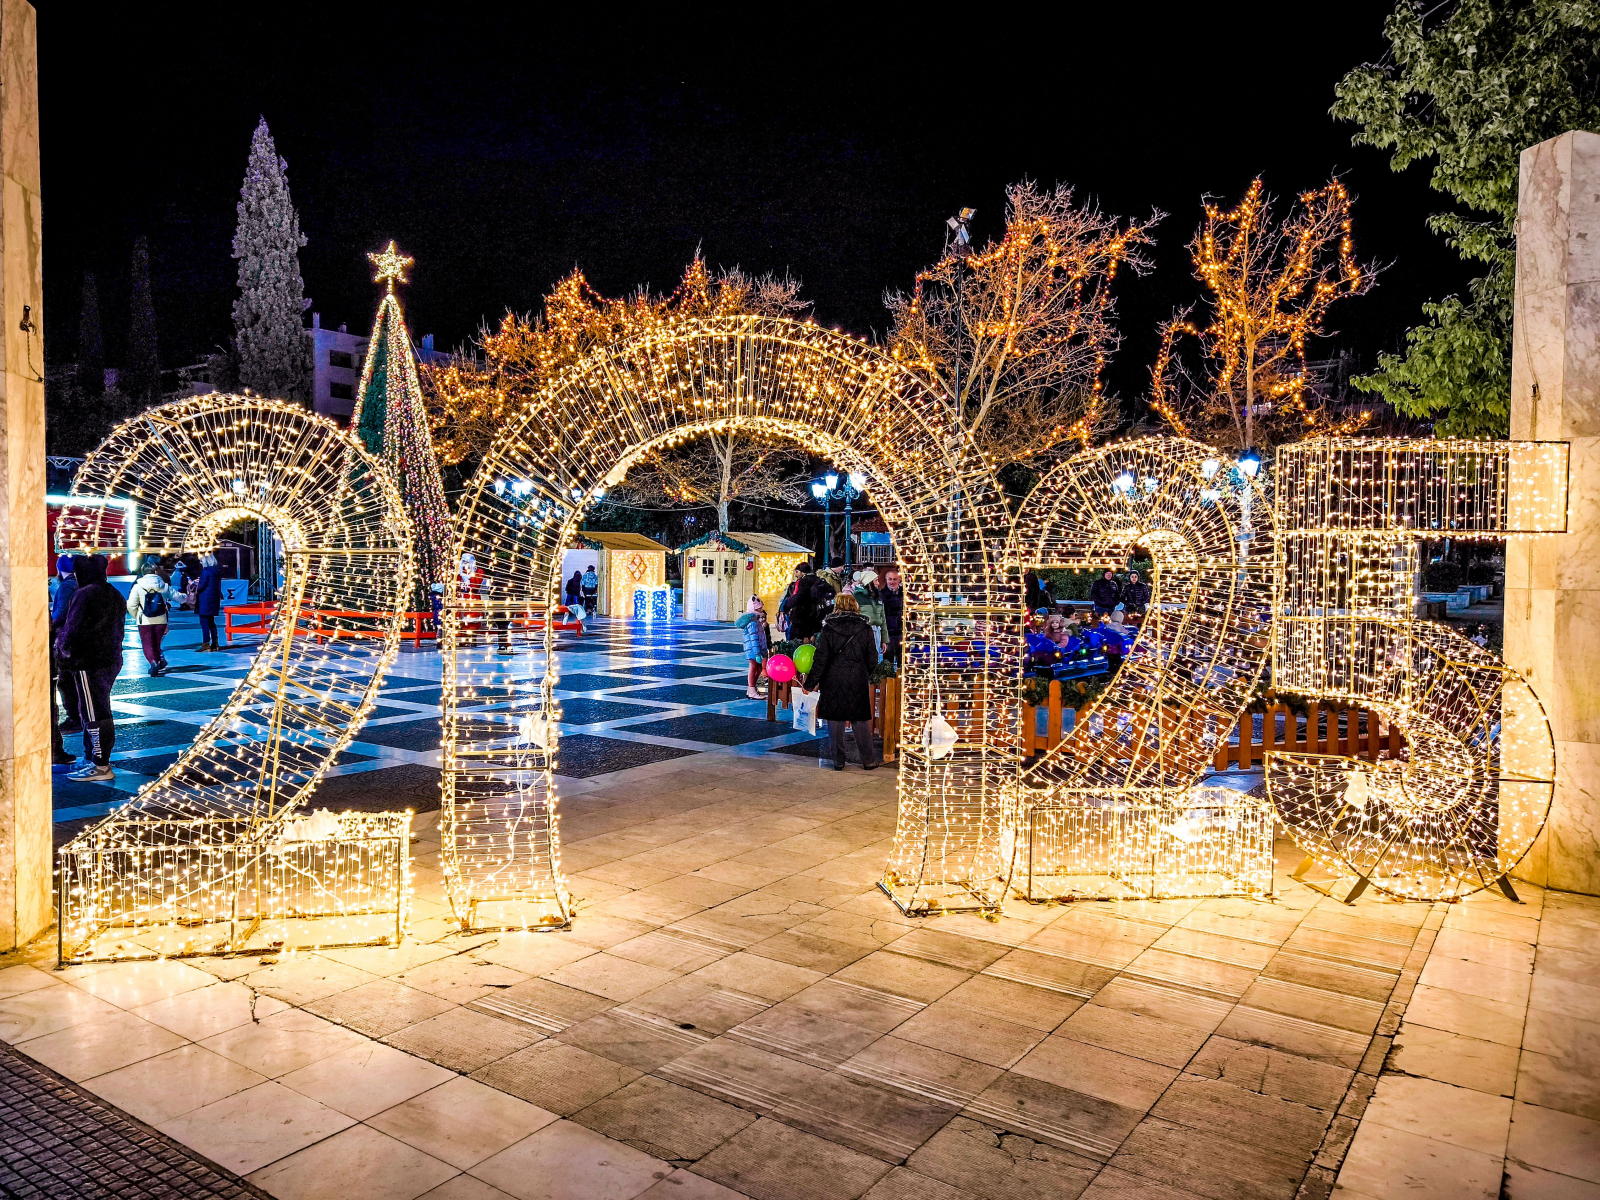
{"points": [[149, 601], [591, 590], [207, 592], [846, 655], [90, 646]]}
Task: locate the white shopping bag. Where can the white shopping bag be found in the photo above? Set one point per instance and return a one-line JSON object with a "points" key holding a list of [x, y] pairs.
{"points": [[805, 710]]}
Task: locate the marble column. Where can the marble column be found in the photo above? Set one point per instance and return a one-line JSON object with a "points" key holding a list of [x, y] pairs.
{"points": [[1553, 583], [25, 858]]}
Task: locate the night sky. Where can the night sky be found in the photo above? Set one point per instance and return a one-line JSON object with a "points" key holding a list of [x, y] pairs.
{"points": [[501, 154]]}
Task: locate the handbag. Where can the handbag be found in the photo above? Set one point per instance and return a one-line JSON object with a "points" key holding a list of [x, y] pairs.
{"points": [[805, 711]]}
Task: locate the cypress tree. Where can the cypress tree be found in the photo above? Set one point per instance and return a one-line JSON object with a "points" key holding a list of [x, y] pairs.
{"points": [[141, 375], [273, 349], [91, 345]]}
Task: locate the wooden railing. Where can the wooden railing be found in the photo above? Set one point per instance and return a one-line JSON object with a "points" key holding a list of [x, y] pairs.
{"points": [[1351, 732]]}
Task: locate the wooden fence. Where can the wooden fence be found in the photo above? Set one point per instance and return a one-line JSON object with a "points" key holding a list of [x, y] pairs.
{"points": [[1325, 729]]}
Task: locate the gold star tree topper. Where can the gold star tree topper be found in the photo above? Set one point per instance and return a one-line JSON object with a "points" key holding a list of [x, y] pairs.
{"points": [[391, 266]]}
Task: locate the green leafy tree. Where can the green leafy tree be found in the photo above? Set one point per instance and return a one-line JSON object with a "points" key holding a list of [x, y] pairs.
{"points": [[1468, 86], [273, 351]]}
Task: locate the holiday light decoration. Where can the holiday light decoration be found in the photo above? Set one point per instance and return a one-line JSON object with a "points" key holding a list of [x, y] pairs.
{"points": [[1465, 803], [211, 856], [1269, 284], [778, 380], [392, 422], [1115, 808]]}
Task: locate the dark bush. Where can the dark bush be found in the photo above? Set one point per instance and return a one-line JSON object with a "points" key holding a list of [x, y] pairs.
{"points": [[1480, 573], [1441, 577]]}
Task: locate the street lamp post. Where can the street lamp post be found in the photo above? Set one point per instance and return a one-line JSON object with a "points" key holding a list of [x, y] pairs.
{"points": [[824, 489]]}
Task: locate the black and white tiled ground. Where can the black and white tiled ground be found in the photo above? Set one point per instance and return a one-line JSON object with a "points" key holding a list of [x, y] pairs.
{"points": [[631, 694]]}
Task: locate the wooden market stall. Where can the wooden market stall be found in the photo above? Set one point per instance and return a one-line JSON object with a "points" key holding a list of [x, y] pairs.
{"points": [[721, 571], [623, 561]]}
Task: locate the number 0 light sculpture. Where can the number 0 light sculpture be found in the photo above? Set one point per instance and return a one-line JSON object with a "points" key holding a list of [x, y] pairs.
{"points": [[775, 379], [211, 857]]}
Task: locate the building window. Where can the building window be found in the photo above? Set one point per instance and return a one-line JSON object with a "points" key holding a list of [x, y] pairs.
{"points": [[341, 391], [342, 358], [877, 554]]}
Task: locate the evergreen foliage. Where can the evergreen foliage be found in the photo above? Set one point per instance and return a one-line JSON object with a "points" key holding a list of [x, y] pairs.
{"points": [[140, 377], [91, 370], [1468, 86], [273, 350], [374, 397]]}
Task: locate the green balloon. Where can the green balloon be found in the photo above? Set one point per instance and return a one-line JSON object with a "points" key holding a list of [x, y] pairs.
{"points": [[804, 657]]}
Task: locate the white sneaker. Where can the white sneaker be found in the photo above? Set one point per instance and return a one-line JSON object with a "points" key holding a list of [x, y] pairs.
{"points": [[93, 774], [755, 695]]}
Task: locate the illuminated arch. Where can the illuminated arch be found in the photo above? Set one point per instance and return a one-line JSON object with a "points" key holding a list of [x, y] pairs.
{"points": [[1147, 740], [774, 378], [198, 860], [1464, 804]]}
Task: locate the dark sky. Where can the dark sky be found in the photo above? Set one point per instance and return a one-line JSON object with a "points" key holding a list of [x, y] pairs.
{"points": [[502, 153]]}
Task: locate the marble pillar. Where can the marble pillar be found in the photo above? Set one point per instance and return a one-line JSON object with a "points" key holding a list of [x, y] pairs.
{"points": [[1552, 631], [25, 857]]}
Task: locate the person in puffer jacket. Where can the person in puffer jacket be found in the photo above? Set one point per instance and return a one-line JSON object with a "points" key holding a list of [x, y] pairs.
{"points": [[757, 641], [90, 646], [148, 603]]}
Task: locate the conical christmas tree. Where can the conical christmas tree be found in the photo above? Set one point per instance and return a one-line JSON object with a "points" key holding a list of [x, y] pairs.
{"points": [[274, 351], [392, 422]]}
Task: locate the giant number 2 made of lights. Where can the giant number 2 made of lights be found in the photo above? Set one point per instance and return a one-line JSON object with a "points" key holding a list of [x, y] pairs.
{"points": [[215, 855], [1117, 808], [775, 379]]}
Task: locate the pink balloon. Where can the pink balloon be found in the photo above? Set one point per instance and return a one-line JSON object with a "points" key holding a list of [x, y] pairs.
{"points": [[781, 668]]}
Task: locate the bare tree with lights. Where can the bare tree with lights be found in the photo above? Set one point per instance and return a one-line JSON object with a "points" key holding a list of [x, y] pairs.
{"points": [[1016, 335], [1269, 284], [472, 400], [718, 469]]}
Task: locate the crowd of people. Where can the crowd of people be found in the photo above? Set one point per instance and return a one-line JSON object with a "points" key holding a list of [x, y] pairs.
{"points": [[87, 619]]}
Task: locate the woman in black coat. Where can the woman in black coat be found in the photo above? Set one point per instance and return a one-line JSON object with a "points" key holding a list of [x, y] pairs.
{"points": [[846, 654], [804, 606]]}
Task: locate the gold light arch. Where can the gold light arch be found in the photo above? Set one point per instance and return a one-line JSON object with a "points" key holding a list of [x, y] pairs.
{"points": [[1117, 798], [1462, 807], [773, 378], [210, 856]]}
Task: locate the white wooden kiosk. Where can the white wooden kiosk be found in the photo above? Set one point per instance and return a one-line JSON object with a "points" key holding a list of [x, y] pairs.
{"points": [[721, 571], [623, 561]]}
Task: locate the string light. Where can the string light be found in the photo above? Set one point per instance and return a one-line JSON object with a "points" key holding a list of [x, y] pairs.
{"points": [[1116, 807], [392, 421], [1464, 805], [207, 858], [669, 383]]}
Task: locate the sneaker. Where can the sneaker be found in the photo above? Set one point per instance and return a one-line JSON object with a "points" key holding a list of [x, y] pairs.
{"points": [[58, 767], [93, 774], [755, 695]]}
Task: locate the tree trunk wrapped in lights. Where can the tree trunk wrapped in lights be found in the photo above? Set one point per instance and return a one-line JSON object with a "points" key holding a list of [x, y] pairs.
{"points": [[203, 860]]}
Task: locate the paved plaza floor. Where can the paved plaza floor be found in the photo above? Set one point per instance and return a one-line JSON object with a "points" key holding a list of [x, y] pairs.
{"points": [[737, 1010]]}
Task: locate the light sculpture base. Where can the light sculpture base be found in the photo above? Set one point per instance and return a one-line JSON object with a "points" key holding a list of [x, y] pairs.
{"points": [[1218, 842], [140, 889]]}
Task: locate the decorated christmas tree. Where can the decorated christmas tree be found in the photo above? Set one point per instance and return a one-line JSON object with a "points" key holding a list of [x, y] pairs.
{"points": [[269, 330], [392, 423]]}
